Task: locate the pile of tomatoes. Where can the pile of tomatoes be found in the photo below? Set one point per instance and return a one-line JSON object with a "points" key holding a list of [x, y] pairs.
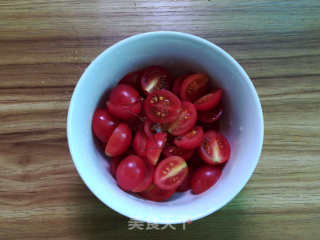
{"points": [[162, 136]]}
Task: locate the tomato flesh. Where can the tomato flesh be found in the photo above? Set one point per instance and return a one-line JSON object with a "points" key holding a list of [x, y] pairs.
{"points": [[209, 101], [215, 148], [172, 150], [162, 106], [103, 125], [119, 141], [154, 78], [177, 85], [194, 86], [191, 139], [204, 178], [185, 121], [170, 173], [155, 146], [157, 194], [130, 172]]}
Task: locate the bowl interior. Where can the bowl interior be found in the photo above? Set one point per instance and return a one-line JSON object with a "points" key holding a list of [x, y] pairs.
{"points": [[242, 122]]}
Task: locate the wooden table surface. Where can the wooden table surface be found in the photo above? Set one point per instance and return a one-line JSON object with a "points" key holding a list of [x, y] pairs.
{"points": [[46, 45]]}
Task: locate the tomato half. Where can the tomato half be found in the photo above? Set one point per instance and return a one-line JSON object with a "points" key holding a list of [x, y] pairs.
{"points": [[210, 116], [154, 78], [124, 102], [162, 106], [194, 86], [140, 143], [147, 181], [209, 101], [186, 184], [204, 178], [177, 85], [157, 194], [185, 121], [150, 128], [215, 148], [170, 173], [103, 124], [191, 139], [132, 79], [130, 172], [119, 141], [172, 150], [155, 146]]}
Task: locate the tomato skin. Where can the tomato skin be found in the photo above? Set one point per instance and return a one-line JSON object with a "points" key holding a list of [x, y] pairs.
{"points": [[172, 150], [124, 102], [186, 120], [130, 172], [194, 86], [204, 178], [147, 181], [170, 173], [186, 184], [162, 106], [157, 194], [120, 140], [177, 85], [209, 101], [113, 165], [103, 124], [140, 143], [154, 78], [191, 139], [215, 148], [132, 78], [155, 146], [211, 116]]}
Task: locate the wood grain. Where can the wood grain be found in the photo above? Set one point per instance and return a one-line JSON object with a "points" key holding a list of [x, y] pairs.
{"points": [[46, 45]]}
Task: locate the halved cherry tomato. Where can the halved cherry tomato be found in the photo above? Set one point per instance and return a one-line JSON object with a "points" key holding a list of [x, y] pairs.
{"points": [[194, 86], [140, 143], [210, 116], [191, 139], [154, 78], [204, 178], [155, 146], [124, 102], [186, 184], [157, 194], [150, 128], [209, 101], [162, 106], [119, 141], [177, 85], [131, 172], [147, 181], [215, 148], [132, 78], [103, 124], [185, 121], [172, 150], [113, 165], [170, 173]]}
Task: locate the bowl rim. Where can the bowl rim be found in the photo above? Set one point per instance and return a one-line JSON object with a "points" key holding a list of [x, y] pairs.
{"points": [[186, 36]]}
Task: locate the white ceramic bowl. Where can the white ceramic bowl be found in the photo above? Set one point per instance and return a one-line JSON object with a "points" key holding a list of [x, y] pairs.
{"points": [[242, 122]]}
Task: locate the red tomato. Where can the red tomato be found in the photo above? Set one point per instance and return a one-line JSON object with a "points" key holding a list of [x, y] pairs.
{"points": [[177, 85], [131, 172], [132, 79], [119, 141], [154, 193], [150, 128], [154, 78], [124, 102], [147, 181], [209, 101], [194, 86], [113, 165], [204, 178], [155, 146], [185, 121], [191, 139], [140, 143], [210, 116], [186, 184], [215, 148], [103, 124], [170, 173], [162, 106], [172, 150]]}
